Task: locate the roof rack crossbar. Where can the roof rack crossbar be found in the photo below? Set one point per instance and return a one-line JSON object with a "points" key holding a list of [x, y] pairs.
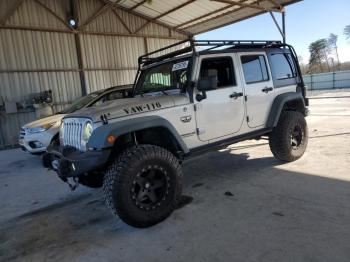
{"points": [[211, 44]]}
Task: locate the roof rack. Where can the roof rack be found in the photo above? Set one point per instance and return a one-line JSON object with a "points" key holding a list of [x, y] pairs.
{"points": [[189, 45]]}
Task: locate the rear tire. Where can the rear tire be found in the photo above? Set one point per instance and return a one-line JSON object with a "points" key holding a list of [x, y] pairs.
{"points": [[289, 138], [143, 185]]}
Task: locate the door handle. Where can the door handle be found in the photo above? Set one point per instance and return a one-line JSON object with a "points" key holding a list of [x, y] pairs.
{"points": [[267, 89], [235, 95]]}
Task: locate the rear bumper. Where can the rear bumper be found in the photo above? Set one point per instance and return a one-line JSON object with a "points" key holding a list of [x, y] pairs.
{"points": [[73, 163]]}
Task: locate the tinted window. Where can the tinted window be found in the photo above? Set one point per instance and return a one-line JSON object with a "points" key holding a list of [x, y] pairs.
{"points": [[283, 66], [221, 68], [254, 68], [81, 102], [118, 94]]}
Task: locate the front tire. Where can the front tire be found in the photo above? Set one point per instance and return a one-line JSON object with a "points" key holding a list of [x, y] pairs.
{"points": [[289, 138], [91, 180], [143, 184]]}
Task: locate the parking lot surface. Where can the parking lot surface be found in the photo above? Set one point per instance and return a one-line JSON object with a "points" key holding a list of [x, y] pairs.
{"points": [[240, 204]]}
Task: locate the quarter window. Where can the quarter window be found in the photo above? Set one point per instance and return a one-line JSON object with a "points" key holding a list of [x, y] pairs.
{"points": [[221, 68], [283, 66], [254, 68]]}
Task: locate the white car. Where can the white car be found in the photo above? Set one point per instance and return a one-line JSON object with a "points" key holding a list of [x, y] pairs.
{"points": [[37, 135]]}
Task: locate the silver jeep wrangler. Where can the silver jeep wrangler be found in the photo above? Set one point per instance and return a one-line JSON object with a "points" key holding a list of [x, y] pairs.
{"points": [[184, 102]]}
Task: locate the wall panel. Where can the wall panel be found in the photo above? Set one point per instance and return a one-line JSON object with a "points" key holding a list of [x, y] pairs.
{"points": [[39, 52]]}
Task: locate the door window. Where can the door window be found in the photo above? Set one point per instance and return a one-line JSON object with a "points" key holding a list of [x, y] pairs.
{"points": [[254, 68], [221, 68]]}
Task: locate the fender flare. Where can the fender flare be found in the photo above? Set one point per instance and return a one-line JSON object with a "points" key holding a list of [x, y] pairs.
{"points": [[278, 104], [99, 136]]}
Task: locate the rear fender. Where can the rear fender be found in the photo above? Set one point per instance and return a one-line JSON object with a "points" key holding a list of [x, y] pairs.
{"points": [[286, 101]]}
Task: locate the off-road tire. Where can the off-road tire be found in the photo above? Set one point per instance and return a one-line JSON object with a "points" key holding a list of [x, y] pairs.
{"points": [[120, 182], [280, 140], [92, 180]]}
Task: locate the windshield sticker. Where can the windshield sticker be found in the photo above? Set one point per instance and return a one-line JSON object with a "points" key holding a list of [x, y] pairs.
{"points": [[142, 108], [179, 66]]}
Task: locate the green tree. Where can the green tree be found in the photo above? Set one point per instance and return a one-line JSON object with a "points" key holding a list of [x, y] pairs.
{"points": [[332, 41], [318, 54], [347, 31]]}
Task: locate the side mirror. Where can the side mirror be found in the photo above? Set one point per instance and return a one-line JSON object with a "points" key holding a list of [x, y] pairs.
{"points": [[208, 83]]}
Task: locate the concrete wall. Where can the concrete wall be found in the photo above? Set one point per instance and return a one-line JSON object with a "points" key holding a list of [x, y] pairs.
{"points": [[332, 80]]}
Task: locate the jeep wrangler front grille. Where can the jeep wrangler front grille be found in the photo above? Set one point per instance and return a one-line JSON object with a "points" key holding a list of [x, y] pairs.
{"points": [[72, 132]]}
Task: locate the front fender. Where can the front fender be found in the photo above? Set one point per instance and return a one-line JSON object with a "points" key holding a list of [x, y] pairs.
{"points": [[99, 140]]}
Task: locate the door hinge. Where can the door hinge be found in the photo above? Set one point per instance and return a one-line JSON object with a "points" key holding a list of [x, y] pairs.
{"points": [[247, 118], [245, 98]]}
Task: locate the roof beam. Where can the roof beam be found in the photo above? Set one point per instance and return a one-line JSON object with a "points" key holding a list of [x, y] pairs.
{"points": [[220, 15], [66, 31], [10, 12], [206, 15], [275, 3], [121, 21], [53, 13], [96, 14], [164, 14], [132, 12], [137, 5], [245, 5]]}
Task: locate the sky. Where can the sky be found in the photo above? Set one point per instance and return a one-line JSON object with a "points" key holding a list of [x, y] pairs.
{"points": [[306, 21]]}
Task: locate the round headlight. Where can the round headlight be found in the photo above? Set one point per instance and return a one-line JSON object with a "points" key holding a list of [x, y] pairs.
{"points": [[87, 131]]}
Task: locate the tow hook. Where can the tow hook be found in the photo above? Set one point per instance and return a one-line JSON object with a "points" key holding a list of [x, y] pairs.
{"points": [[73, 185], [55, 164]]}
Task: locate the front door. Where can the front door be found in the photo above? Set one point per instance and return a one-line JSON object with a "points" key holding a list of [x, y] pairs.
{"points": [[258, 87], [222, 112]]}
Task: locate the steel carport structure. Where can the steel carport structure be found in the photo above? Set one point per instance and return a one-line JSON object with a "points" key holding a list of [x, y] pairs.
{"points": [[41, 50]]}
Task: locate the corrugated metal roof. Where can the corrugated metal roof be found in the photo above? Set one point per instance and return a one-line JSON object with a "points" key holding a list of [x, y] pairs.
{"points": [[198, 16]]}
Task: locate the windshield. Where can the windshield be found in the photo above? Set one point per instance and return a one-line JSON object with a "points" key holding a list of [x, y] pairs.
{"points": [[167, 76], [80, 103]]}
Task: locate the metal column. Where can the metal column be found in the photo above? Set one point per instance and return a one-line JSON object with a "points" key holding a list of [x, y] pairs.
{"points": [[284, 25], [283, 29]]}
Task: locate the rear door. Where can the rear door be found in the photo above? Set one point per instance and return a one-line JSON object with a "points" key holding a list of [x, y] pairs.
{"points": [[258, 86]]}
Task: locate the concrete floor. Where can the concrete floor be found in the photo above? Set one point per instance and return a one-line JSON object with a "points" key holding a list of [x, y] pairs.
{"points": [[276, 212]]}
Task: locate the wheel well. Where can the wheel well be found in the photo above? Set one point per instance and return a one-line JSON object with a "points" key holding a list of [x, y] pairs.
{"points": [[158, 136], [55, 138], [294, 105]]}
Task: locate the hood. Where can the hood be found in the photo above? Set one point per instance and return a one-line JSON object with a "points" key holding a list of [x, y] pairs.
{"points": [[45, 120], [132, 106]]}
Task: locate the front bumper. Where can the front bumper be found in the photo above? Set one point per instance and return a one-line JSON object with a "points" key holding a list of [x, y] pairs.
{"points": [[73, 163], [36, 143]]}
